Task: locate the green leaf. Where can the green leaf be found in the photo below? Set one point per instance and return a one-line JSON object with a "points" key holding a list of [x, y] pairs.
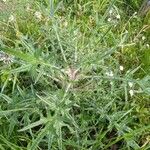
{"points": [[2, 148], [9, 144], [50, 103], [24, 56], [6, 98], [7, 112], [34, 124], [39, 137], [133, 144], [23, 68]]}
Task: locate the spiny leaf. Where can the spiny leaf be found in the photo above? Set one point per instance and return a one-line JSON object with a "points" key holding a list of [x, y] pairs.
{"points": [[24, 56], [23, 68], [34, 124], [7, 112]]}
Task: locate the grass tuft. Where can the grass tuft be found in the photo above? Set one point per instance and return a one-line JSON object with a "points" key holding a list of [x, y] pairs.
{"points": [[74, 75]]}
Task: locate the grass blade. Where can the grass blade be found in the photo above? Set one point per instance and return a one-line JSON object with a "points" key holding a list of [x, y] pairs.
{"points": [[34, 124], [39, 137]]}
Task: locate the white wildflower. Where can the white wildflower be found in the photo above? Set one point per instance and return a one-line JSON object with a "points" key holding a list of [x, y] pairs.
{"points": [[11, 18], [28, 8], [118, 16], [131, 92], [111, 83], [147, 45], [143, 38], [109, 19], [130, 84], [121, 68], [38, 15], [65, 24], [135, 15], [110, 11], [110, 74], [4, 1]]}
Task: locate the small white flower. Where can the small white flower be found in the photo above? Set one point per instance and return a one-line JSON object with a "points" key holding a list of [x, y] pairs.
{"points": [[28, 8], [121, 68], [38, 15], [110, 11], [4, 1], [135, 15], [109, 19], [65, 24], [110, 74], [130, 84], [143, 38], [118, 16], [147, 45], [75, 32], [107, 73], [111, 83], [131, 92], [11, 18]]}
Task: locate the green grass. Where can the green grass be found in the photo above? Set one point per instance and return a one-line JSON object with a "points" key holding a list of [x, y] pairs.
{"points": [[74, 75]]}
